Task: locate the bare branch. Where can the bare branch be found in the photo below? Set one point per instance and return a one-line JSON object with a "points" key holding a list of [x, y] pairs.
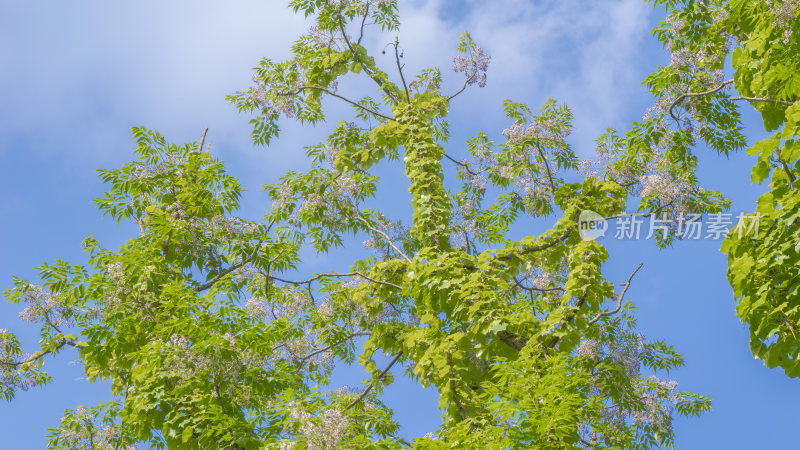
{"points": [[627, 284], [400, 68], [464, 86], [765, 100]]}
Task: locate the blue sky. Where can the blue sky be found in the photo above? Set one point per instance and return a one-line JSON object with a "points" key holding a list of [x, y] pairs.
{"points": [[75, 76]]}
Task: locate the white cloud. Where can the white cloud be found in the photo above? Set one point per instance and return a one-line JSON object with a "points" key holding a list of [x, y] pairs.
{"points": [[78, 75]]}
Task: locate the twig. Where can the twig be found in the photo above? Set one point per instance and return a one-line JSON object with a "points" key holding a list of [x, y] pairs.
{"points": [[400, 68], [521, 286], [464, 165], [380, 377], [230, 269], [385, 236], [539, 247], [322, 89], [464, 86], [765, 100], [324, 349], [366, 69], [324, 275], [40, 355], [619, 299]]}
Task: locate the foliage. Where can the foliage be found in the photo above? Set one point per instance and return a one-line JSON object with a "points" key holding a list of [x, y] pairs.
{"points": [[209, 342], [764, 249]]}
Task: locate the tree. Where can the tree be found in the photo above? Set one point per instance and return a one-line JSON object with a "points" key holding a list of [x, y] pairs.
{"points": [[693, 98], [210, 340]]}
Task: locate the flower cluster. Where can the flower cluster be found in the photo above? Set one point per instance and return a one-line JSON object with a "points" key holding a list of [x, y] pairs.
{"points": [[785, 12], [92, 428], [474, 66], [45, 307], [324, 431]]}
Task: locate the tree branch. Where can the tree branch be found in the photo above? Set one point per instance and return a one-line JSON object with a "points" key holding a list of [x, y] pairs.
{"points": [[323, 275], [384, 235], [464, 86], [765, 100], [547, 167], [400, 68], [366, 69], [695, 94], [371, 385], [322, 89], [230, 269], [40, 355], [619, 299], [465, 166], [324, 349]]}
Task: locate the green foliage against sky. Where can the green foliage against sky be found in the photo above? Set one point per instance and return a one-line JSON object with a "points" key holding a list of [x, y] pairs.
{"points": [[211, 339]]}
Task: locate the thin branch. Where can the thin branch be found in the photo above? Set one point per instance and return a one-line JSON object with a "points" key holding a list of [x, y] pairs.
{"points": [[363, 21], [696, 94], [366, 69], [384, 235], [765, 100], [464, 165], [40, 355], [547, 167], [400, 68], [380, 377], [324, 349], [324, 275], [540, 247], [535, 289], [464, 86], [322, 89], [619, 299], [230, 269]]}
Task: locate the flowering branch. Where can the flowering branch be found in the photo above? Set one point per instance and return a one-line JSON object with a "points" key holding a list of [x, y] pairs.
{"points": [[627, 284]]}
